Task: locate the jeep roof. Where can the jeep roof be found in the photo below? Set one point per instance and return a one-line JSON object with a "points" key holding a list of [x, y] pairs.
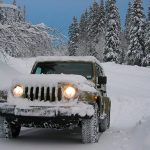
{"points": [[67, 58]]}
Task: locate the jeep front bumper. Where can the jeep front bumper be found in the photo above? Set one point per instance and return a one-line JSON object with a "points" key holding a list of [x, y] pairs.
{"points": [[80, 109]]}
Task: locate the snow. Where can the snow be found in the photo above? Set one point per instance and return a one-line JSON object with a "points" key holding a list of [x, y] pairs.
{"points": [[7, 73], [8, 6], [65, 109], [25, 40], [128, 87], [48, 80], [53, 80], [66, 58]]}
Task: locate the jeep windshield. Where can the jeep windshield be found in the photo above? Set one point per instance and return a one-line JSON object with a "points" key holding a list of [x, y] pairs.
{"points": [[78, 68]]}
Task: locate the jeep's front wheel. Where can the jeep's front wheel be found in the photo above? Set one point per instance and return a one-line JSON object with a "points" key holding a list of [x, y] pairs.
{"points": [[90, 128], [105, 123], [8, 130], [15, 130]]}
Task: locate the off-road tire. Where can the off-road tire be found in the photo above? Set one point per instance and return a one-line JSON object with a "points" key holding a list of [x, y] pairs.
{"points": [[104, 123], [15, 130], [7, 130], [90, 128]]}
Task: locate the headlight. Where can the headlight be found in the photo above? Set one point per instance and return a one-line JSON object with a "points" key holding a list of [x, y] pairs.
{"points": [[70, 92], [18, 91]]}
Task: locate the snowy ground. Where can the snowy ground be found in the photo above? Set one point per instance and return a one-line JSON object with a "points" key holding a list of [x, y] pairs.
{"points": [[129, 89]]}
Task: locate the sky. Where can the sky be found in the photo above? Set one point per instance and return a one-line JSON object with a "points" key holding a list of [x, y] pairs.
{"points": [[59, 13]]}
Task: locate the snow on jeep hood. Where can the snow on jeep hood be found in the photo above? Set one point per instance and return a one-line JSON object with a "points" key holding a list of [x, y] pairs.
{"points": [[52, 80]]}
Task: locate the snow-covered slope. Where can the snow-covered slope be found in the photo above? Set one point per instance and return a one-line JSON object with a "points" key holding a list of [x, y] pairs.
{"points": [[12, 69], [6, 75], [128, 88]]}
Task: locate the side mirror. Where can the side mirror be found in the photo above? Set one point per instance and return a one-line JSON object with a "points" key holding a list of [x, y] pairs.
{"points": [[102, 80]]}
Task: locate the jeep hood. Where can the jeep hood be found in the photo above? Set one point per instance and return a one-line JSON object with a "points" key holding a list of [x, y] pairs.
{"points": [[53, 80]]}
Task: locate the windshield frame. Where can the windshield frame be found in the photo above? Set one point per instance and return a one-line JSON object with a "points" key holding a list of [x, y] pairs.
{"points": [[86, 62]]}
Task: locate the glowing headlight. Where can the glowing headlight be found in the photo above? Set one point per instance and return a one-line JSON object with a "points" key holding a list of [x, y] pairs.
{"points": [[69, 92], [18, 91]]}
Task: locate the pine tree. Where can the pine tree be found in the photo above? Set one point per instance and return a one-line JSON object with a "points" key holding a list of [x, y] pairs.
{"points": [[14, 2], [148, 18], [112, 50], [146, 60], [83, 26], [96, 30], [83, 34], [135, 52], [128, 21], [94, 20], [106, 8], [93, 28], [100, 38], [24, 13], [73, 37], [102, 21]]}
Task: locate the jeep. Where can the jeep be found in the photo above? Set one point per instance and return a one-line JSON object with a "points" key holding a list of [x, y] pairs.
{"points": [[61, 92]]}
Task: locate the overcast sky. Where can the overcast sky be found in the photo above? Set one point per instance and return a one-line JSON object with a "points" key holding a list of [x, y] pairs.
{"points": [[59, 13]]}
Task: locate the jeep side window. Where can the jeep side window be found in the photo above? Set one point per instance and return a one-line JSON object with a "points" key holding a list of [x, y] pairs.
{"points": [[38, 70]]}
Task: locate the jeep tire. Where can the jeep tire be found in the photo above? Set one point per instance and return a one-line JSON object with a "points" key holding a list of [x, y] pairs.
{"points": [[104, 123], [90, 128], [15, 130], [8, 130]]}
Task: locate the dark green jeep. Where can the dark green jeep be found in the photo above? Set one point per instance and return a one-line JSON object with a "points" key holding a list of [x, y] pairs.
{"points": [[60, 92]]}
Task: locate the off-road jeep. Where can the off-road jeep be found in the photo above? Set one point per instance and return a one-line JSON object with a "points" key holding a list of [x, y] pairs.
{"points": [[60, 92]]}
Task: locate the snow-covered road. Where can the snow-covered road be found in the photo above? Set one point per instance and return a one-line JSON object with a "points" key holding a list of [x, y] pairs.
{"points": [[129, 89], [45, 139]]}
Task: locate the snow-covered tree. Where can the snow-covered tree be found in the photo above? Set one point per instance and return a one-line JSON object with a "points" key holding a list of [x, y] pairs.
{"points": [[92, 23], [93, 29], [128, 21], [73, 37], [123, 47], [146, 60], [10, 13], [94, 19], [106, 8], [25, 40], [14, 2], [21, 39], [135, 52], [24, 13], [112, 50], [100, 38], [83, 26], [148, 18], [102, 16], [83, 34]]}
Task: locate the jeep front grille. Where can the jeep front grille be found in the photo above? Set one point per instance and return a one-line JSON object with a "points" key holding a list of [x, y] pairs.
{"points": [[51, 94]]}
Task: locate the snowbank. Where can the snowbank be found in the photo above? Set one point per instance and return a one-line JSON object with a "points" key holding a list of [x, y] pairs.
{"points": [[128, 88], [7, 73], [8, 6], [141, 134]]}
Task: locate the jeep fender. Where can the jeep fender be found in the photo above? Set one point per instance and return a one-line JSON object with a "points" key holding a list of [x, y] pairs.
{"points": [[106, 105]]}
